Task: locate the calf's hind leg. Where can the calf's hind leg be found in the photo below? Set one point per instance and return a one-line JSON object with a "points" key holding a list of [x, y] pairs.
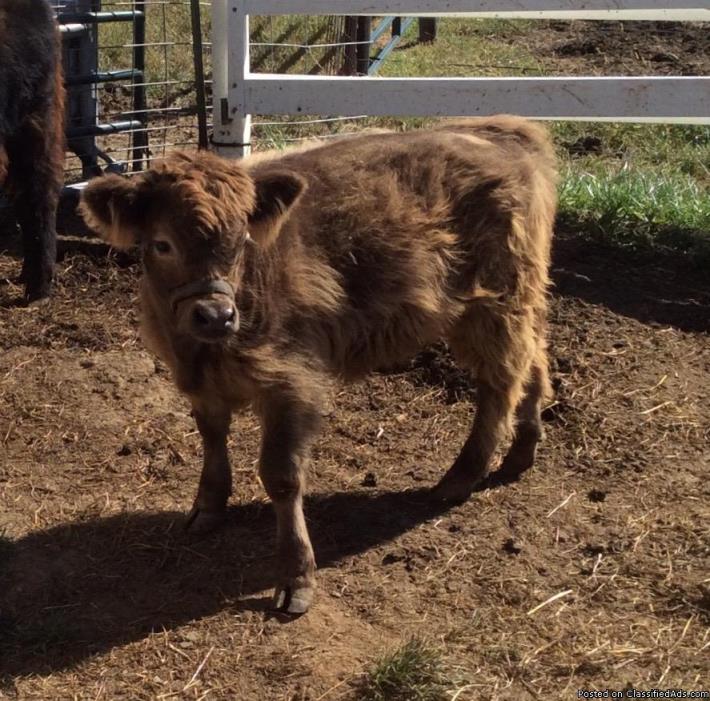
{"points": [[498, 348], [288, 433], [528, 428]]}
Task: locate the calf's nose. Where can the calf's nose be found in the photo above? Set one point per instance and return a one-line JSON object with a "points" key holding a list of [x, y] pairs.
{"points": [[214, 317]]}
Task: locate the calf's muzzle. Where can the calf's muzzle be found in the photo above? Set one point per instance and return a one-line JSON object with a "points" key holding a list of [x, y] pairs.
{"points": [[212, 314]]}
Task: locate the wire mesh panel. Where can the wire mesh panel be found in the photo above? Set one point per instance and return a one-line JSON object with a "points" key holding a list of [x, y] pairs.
{"points": [[314, 45], [307, 45], [131, 85], [131, 74]]}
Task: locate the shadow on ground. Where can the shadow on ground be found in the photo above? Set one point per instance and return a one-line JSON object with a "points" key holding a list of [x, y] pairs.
{"points": [[652, 287], [73, 590]]}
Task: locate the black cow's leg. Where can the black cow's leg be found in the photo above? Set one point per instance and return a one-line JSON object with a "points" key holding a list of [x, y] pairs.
{"points": [[288, 433], [36, 218], [36, 157], [216, 480]]}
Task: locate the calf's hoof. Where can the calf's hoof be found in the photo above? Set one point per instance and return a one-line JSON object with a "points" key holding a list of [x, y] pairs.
{"points": [[521, 456], [512, 469], [455, 487], [201, 521], [37, 298], [293, 599]]}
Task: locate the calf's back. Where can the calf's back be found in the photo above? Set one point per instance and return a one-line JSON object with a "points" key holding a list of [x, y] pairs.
{"points": [[398, 235]]}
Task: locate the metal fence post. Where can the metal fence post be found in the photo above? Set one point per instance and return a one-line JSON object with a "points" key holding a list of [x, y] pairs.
{"points": [[140, 137], [80, 53], [350, 37], [231, 66], [364, 39], [427, 29], [198, 62]]}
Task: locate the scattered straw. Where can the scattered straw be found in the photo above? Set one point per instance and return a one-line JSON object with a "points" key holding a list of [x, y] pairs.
{"points": [[559, 595], [655, 408], [460, 691], [193, 679], [560, 505]]}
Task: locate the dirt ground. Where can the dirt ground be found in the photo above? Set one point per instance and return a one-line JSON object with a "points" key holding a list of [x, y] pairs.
{"points": [[615, 48], [102, 596]]}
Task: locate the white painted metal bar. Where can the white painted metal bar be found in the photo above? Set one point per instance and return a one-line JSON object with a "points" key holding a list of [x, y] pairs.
{"points": [[690, 15], [688, 9], [680, 99], [230, 60], [220, 69]]}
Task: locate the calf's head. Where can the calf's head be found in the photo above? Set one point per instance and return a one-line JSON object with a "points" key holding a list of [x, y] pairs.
{"points": [[193, 216]]}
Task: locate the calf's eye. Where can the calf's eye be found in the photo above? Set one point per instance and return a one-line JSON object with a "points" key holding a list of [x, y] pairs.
{"points": [[162, 247]]}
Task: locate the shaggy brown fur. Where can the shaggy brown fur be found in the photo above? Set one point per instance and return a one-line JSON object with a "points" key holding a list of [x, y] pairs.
{"points": [[32, 131], [361, 252]]}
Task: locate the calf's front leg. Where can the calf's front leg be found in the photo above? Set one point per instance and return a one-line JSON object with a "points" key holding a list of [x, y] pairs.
{"points": [[288, 432], [216, 480]]}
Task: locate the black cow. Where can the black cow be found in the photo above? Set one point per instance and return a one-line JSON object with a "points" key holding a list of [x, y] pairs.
{"points": [[32, 132]]}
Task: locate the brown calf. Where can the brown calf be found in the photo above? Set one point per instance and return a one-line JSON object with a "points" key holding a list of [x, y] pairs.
{"points": [[32, 132], [265, 279]]}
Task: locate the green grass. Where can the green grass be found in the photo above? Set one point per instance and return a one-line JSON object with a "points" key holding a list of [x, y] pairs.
{"points": [[411, 673], [636, 209], [303, 30], [663, 148], [464, 47]]}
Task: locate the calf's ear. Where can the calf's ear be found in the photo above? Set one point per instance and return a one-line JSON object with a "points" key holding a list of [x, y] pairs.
{"points": [[276, 194], [109, 207]]}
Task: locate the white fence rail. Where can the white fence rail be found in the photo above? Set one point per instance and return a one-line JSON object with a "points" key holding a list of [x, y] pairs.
{"points": [[581, 9], [239, 93]]}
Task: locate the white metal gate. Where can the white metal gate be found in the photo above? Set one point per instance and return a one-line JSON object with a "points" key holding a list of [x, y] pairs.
{"points": [[238, 93]]}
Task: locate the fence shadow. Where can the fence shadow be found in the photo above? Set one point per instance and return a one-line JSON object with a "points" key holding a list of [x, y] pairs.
{"points": [[81, 588]]}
